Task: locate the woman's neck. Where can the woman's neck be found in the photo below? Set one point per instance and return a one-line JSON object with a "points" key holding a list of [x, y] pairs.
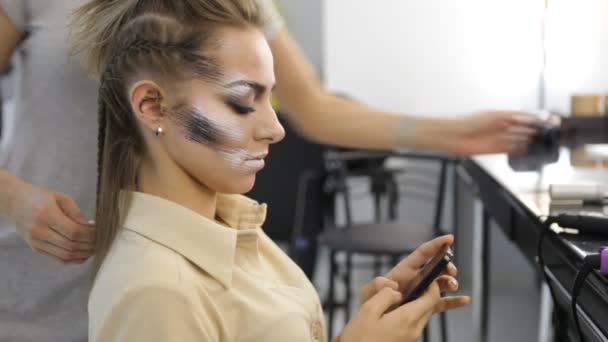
{"points": [[174, 184]]}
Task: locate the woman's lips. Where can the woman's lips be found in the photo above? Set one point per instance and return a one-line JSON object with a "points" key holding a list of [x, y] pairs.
{"points": [[256, 161], [258, 156]]}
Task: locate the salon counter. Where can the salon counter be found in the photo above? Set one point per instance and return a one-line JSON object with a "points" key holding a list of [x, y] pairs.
{"points": [[518, 201]]}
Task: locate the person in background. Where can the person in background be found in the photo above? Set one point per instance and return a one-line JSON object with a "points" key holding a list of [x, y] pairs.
{"points": [[47, 169]]}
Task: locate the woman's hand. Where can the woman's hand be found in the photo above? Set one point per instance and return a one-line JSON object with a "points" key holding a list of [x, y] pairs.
{"points": [[494, 132], [405, 323], [405, 273], [51, 224]]}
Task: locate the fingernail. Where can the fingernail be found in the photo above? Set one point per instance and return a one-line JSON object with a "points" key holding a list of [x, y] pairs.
{"points": [[394, 285], [91, 222], [453, 268], [454, 283]]}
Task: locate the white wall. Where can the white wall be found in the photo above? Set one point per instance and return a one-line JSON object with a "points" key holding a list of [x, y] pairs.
{"points": [[434, 56], [303, 18], [577, 43], [445, 56]]}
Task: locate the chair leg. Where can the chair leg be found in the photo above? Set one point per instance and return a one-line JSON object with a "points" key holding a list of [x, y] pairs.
{"points": [[347, 286], [486, 255], [393, 199], [443, 322], [331, 300], [425, 334], [377, 265], [395, 260]]}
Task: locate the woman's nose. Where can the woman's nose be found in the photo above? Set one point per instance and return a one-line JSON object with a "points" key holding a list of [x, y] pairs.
{"points": [[270, 129]]}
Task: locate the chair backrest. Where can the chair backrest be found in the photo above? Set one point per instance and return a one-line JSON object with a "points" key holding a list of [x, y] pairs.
{"points": [[388, 182], [290, 181]]}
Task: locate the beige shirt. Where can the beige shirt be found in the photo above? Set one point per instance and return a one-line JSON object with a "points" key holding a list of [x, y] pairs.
{"points": [[173, 275]]}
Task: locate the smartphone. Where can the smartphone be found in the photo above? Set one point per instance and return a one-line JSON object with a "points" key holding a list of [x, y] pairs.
{"points": [[429, 272]]}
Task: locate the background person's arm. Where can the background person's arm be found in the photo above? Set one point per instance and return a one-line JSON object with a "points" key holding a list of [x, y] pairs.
{"points": [[49, 222], [8, 185], [9, 39], [331, 119]]}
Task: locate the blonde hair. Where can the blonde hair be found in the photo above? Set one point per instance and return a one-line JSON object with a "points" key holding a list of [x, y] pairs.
{"points": [[119, 39], [96, 24]]}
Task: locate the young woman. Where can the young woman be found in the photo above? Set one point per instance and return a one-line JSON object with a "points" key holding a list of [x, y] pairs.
{"points": [[185, 123]]}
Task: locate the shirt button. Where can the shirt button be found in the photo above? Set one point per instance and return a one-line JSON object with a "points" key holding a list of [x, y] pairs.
{"points": [[317, 330]]}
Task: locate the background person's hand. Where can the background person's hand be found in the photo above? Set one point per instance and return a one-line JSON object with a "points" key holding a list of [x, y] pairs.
{"points": [[495, 132], [405, 273], [52, 224]]}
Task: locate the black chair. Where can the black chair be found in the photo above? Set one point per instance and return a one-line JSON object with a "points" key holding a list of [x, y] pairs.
{"points": [[291, 183], [390, 237]]}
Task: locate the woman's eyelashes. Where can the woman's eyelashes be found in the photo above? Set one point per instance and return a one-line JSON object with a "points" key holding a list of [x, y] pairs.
{"points": [[241, 102], [240, 108]]}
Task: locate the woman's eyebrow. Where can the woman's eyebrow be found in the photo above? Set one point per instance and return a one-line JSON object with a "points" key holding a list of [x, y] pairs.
{"points": [[257, 87]]}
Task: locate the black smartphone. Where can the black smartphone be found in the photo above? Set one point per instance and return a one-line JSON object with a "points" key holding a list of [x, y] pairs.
{"points": [[427, 273]]}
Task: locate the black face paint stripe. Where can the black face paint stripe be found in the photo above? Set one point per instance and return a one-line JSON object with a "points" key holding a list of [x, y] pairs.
{"points": [[196, 125]]}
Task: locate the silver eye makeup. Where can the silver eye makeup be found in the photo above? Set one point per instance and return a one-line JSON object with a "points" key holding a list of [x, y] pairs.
{"points": [[238, 106], [243, 93]]}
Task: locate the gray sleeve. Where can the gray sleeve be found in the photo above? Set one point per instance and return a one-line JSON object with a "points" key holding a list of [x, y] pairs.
{"points": [[273, 20], [15, 10]]}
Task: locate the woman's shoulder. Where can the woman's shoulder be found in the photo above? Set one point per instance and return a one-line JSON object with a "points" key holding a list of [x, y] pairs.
{"points": [[136, 262]]}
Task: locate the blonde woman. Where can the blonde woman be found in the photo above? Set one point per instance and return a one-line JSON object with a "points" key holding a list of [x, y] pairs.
{"points": [[185, 122], [47, 168]]}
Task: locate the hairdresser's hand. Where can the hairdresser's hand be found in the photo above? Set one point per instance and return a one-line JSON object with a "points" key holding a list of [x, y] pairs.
{"points": [[405, 273], [404, 324], [494, 132], [52, 224]]}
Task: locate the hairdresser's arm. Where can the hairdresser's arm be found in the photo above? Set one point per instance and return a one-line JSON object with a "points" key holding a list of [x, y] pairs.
{"points": [[9, 39], [49, 222], [8, 185], [334, 120]]}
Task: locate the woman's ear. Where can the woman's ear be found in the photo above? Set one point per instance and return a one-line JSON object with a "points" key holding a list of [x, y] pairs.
{"points": [[147, 102]]}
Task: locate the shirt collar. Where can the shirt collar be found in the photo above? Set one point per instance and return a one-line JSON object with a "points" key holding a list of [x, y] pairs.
{"points": [[204, 242]]}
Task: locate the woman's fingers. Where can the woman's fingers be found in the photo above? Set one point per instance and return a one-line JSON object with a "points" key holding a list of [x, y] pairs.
{"points": [[423, 304], [375, 286], [447, 283], [450, 270], [381, 302], [452, 302], [405, 270]]}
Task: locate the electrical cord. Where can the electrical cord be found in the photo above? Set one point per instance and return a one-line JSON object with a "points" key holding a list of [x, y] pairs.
{"points": [[590, 224], [589, 263]]}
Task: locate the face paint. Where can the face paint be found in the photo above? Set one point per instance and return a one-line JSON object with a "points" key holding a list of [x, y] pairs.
{"points": [[198, 127], [239, 158]]}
